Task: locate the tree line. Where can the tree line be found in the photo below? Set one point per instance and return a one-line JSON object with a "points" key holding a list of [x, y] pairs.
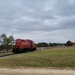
{"points": [[44, 44]]}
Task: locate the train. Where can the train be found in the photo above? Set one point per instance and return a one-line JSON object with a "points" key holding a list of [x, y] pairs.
{"points": [[22, 46]]}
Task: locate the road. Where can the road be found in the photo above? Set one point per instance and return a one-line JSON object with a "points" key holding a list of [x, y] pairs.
{"points": [[36, 71]]}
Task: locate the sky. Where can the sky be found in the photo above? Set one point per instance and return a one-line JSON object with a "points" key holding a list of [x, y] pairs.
{"points": [[38, 20]]}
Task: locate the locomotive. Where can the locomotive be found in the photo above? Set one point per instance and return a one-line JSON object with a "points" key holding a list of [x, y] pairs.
{"points": [[22, 46]]}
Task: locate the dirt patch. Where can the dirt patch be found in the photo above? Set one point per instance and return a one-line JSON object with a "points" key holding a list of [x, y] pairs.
{"points": [[36, 71]]}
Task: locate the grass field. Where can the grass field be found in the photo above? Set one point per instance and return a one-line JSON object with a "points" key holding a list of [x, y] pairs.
{"points": [[54, 57]]}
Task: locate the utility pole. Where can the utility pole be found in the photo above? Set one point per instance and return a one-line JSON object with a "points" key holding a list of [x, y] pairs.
{"points": [[12, 41], [12, 33]]}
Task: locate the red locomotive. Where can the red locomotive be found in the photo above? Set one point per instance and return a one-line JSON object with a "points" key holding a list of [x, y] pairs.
{"points": [[23, 46]]}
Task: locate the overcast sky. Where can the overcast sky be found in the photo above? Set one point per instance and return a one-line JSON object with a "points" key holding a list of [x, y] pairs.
{"points": [[39, 20]]}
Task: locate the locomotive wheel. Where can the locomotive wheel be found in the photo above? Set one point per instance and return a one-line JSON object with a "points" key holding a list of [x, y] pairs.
{"points": [[16, 51]]}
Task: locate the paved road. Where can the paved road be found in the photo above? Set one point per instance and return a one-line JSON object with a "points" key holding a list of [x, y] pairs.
{"points": [[35, 71]]}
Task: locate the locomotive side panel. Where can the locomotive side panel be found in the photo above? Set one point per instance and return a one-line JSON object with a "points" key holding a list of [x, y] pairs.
{"points": [[23, 43]]}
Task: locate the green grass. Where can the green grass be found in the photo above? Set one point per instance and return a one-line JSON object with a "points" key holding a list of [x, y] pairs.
{"points": [[55, 57]]}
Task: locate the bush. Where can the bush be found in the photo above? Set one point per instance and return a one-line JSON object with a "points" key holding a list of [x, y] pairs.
{"points": [[69, 43]]}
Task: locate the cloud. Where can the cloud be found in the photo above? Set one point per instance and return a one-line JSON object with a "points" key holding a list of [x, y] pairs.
{"points": [[40, 20]]}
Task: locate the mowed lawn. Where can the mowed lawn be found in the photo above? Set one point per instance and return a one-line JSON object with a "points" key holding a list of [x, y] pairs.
{"points": [[53, 57]]}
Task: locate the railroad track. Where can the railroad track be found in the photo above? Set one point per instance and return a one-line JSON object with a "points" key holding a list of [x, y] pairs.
{"points": [[6, 55]]}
